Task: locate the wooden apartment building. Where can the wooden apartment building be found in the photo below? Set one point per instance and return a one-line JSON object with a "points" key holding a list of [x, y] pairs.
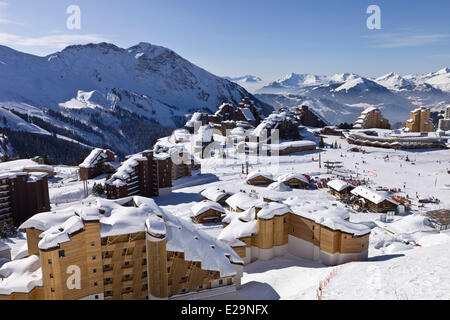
{"points": [[143, 174], [273, 229], [114, 252]]}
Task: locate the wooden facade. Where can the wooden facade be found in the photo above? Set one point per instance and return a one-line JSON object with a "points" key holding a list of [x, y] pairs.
{"points": [[121, 267], [295, 183], [275, 232], [211, 215], [259, 180]]}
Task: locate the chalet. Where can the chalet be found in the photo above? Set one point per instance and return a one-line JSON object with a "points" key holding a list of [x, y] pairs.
{"points": [[294, 180], [98, 162], [439, 219], [241, 201], [207, 211], [258, 178], [339, 188], [120, 253], [215, 195], [375, 201]]}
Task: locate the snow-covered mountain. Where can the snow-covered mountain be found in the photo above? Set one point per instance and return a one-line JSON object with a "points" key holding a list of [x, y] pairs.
{"points": [[246, 78], [103, 95], [342, 97], [249, 82]]}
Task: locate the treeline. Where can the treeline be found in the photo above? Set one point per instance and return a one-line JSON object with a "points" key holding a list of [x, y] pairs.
{"points": [[27, 145]]}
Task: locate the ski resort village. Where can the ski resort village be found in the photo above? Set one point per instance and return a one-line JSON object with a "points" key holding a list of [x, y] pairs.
{"points": [[239, 203]]}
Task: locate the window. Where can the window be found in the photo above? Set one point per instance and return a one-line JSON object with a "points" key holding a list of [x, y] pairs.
{"points": [[93, 257], [51, 275], [49, 261], [61, 253], [93, 245], [52, 289], [220, 282], [94, 270], [95, 284]]}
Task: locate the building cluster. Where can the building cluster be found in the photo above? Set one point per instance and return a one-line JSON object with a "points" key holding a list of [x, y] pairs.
{"points": [[249, 118], [371, 118], [23, 194], [363, 198], [119, 249], [227, 117]]}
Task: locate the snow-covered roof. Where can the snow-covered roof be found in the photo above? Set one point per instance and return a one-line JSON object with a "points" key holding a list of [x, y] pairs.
{"points": [[214, 194], [374, 196], [293, 175], [45, 220], [21, 165], [331, 217], [247, 114], [242, 201], [126, 169], [92, 159], [55, 235], [338, 185], [205, 205], [259, 173], [197, 245], [240, 225], [20, 275], [271, 209], [156, 226]]}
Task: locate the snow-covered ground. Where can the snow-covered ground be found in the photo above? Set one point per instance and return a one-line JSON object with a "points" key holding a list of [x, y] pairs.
{"points": [[394, 270]]}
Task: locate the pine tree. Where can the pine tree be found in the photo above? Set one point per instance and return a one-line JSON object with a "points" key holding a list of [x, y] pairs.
{"points": [[321, 143]]}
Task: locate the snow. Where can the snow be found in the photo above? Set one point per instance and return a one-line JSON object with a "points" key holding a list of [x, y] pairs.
{"points": [[242, 201], [241, 225], [92, 158], [338, 185], [156, 226], [55, 235], [204, 206], [214, 194], [289, 176], [20, 275], [20, 165], [272, 209], [258, 173]]}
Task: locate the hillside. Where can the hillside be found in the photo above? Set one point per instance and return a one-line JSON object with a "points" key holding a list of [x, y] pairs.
{"points": [[103, 95]]}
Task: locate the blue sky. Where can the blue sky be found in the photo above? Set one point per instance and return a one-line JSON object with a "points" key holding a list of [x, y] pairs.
{"points": [[264, 38]]}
